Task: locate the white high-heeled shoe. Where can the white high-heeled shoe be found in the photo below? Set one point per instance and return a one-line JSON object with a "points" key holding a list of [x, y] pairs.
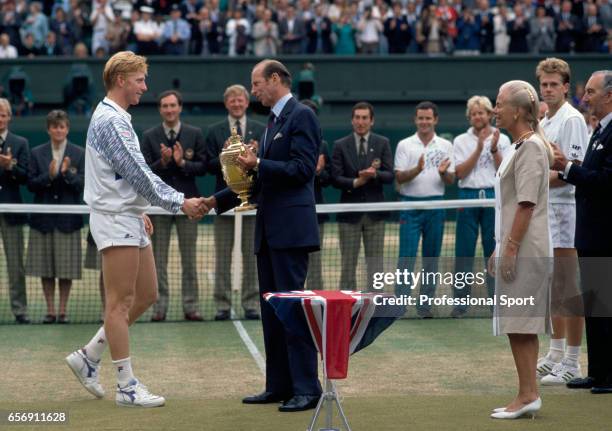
{"points": [[499, 409], [527, 409]]}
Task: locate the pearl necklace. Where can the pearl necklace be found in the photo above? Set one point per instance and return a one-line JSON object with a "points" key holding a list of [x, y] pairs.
{"points": [[523, 137]]}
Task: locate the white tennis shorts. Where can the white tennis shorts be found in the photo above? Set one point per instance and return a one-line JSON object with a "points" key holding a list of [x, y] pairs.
{"points": [[562, 221], [112, 230]]}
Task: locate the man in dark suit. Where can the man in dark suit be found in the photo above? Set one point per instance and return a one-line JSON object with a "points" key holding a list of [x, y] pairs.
{"points": [[292, 31], [285, 230], [319, 30], [593, 181], [594, 30], [175, 151], [397, 31], [567, 27], [236, 100], [361, 164], [14, 158]]}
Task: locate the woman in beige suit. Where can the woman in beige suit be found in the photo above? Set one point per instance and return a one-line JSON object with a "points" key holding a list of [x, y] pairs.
{"points": [[523, 246]]}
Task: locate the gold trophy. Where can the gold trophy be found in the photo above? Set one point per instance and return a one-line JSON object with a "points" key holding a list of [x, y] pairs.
{"points": [[239, 181]]}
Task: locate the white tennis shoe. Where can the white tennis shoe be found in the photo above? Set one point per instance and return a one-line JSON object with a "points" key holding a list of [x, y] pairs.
{"points": [[562, 373], [135, 394], [87, 371], [545, 366]]}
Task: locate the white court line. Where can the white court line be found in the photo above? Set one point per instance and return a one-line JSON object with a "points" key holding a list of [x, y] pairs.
{"points": [[246, 339], [248, 342]]}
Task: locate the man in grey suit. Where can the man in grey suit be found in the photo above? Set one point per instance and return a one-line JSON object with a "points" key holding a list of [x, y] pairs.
{"points": [[14, 157], [175, 151], [361, 164], [236, 100], [292, 32]]}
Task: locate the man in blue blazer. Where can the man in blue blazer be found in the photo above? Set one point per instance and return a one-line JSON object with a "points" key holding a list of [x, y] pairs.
{"points": [[286, 230], [14, 158], [593, 181]]}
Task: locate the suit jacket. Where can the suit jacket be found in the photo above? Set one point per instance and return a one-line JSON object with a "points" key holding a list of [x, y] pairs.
{"points": [[293, 46], [64, 189], [398, 39], [326, 44], [194, 152], [345, 168], [322, 180], [593, 181], [11, 180], [566, 38], [216, 137], [593, 42], [284, 187]]}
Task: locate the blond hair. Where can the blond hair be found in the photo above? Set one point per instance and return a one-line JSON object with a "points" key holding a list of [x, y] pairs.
{"points": [[121, 64], [235, 90], [4, 103], [479, 101], [523, 96], [554, 65]]}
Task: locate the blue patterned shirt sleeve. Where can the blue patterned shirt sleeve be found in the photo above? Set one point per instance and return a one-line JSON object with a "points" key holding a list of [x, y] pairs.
{"points": [[122, 151]]}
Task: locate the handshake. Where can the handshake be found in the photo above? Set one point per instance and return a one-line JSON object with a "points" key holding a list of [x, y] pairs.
{"points": [[196, 208]]}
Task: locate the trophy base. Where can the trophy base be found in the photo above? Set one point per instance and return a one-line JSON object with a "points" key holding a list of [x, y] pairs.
{"points": [[245, 207]]}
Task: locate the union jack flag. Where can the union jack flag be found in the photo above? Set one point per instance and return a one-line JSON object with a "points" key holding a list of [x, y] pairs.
{"points": [[339, 323]]}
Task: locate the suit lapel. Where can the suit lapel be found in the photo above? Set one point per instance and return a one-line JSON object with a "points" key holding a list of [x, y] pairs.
{"points": [[594, 143], [370, 151], [248, 134], [278, 124], [352, 151]]}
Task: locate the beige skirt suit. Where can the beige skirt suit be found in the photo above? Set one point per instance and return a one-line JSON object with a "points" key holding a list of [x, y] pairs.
{"points": [[523, 177]]}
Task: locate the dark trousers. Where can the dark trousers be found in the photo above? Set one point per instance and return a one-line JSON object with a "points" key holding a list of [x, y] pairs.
{"points": [[291, 362], [595, 275]]}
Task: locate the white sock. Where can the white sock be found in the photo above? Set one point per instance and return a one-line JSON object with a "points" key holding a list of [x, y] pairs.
{"points": [[124, 371], [94, 349], [557, 349], [572, 354]]}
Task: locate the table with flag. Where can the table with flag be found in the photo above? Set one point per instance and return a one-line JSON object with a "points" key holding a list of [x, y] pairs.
{"points": [[339, 323]]}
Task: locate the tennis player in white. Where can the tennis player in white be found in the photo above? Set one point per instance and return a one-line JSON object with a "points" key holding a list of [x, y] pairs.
{"points": [[119, 186], [564, 126]]}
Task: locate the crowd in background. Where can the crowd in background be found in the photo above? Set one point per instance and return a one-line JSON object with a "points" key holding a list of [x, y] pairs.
{"points": [[274, 27]]}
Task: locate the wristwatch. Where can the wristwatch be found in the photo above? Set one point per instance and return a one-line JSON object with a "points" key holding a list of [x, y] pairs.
{"points": [[256, 168]]}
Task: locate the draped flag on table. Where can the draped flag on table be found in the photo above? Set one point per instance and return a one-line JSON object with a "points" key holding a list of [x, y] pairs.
{"points": [[339, 323]]}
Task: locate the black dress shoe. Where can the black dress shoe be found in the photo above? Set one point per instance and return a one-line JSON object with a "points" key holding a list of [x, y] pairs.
{"points": [[581, 383], [601, 389], [251, 315], [194, 316], [222, 315], [158, 317], [265, 398], [300, 403], [49, 318], [22, 319]]}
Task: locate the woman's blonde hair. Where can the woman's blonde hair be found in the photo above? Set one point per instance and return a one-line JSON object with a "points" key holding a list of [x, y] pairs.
{"points": [[523, 96], [122, 64]]}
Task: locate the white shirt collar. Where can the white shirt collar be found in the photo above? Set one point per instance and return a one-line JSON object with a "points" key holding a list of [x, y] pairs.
{"points": [[117, 108], [605, 120], [418, 139], [232, 121], [280, 105], [176, 128], [358, 137]]}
